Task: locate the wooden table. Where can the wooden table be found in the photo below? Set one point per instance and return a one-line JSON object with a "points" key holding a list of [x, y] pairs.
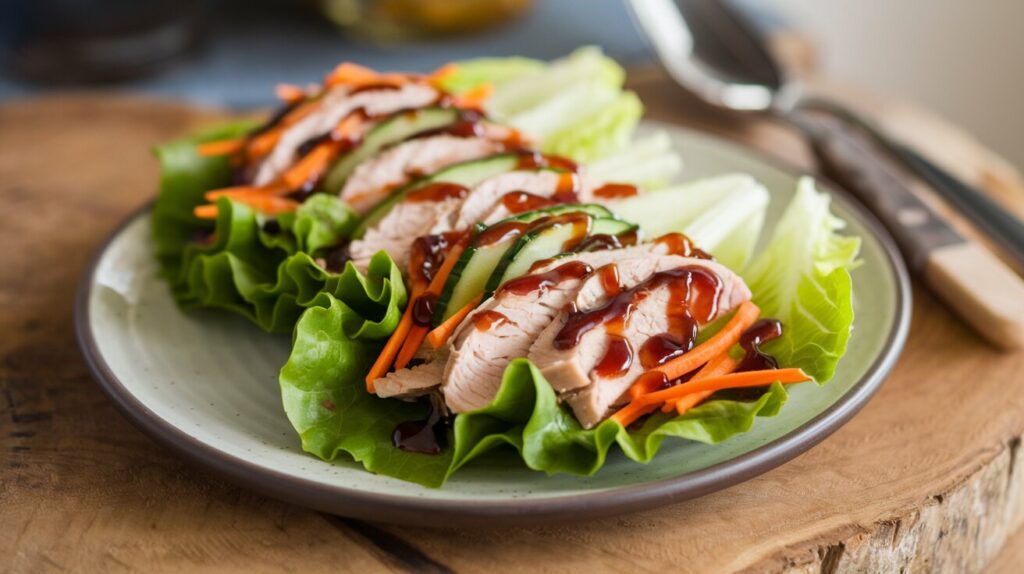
{"points": [[926, 477]]}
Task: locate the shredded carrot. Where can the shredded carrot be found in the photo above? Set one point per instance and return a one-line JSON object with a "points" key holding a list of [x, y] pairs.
{"points": [[221, 147], [311, 166], [474, 98], [358, 76], [443, 73], [245, 191], [290, 93], [719, 343], [440, 334], [205, 211], [400, 348], [720, 365], [263, 143], [349, 73], [268, 204], [387, 354], [417, 333], [650, 401]]}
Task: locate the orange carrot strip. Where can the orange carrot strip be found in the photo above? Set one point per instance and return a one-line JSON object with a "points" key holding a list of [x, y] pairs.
{"points": [[290, 93], [387, 354], [441, 74], [720, 365], [417, 333], [440, 334], [205, 211], [220, 147], [311, 166], [349, 73], [644, 404], [245, 191], [730, 381], [263, 144], [268, 204], [719, 343], [474, 98]]}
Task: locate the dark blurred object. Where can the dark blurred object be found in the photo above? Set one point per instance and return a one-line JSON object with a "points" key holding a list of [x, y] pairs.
{"points": [[396, 20], [92, 41]]}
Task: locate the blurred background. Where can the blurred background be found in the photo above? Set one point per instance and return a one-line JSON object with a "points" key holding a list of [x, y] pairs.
{"points": [[961, 59]]}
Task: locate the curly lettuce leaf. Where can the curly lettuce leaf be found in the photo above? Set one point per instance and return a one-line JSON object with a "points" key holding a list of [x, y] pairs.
{"points": [[236, 262], [326, 401], [325, 398], [526, 415], [184, 177], [803, 279]]}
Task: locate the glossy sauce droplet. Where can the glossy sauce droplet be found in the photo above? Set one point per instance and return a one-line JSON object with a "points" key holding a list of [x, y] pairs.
{"points": [[521, 201], [679, 244], [484, 320], [423, 310], [759, 333], [537, 282], [499, 232], [616, 190], [617, 358], [437, 191]]}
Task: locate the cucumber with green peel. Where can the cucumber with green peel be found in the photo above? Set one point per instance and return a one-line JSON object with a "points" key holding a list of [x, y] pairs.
{"points": [[467, 173], [393, 130], [471, 273], [545, 243]]}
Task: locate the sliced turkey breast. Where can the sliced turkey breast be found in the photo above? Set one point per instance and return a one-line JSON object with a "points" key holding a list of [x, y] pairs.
{"points": [[373, 179], [335, 106], [396, 231], [615, 328], [411, 382], [504, 327]]}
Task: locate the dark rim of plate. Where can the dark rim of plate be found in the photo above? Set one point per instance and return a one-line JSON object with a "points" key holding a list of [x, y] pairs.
{"points": [[402, 509]]}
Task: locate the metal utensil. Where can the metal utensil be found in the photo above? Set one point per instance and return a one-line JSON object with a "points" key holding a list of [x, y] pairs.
{"points": [[709, 49]]}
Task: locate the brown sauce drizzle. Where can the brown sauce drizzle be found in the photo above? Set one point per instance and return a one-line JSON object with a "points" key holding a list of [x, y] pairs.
{"points": [[679, 244], [616, 190], [427, 255], [530, 159], [759, 333], [499, 232], [423, 309], [617, 359], [522, 201], [336, 258], [693, 300], [437, 191], [539, 282], [428, 436], [484, 320], [606, 242]]}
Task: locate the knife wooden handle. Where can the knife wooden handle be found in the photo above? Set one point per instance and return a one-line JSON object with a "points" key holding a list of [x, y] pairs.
{"points": [[981, 289], [975, 284]]}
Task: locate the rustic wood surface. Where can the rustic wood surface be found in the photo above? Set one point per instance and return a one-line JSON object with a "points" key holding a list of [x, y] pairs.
{"points": [[926, 478]]}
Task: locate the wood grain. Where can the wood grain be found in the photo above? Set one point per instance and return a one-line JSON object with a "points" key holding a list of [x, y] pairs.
{"points": [[927, 477]]}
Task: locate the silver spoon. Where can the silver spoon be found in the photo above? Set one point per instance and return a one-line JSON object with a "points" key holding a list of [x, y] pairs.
{"points": [[713, 52]]}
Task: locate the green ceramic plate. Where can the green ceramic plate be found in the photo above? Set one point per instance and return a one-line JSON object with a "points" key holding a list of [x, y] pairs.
{"points": [[205, 384]]}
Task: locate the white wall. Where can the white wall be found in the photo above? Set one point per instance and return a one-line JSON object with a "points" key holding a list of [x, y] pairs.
{"points": [[962, 58]]}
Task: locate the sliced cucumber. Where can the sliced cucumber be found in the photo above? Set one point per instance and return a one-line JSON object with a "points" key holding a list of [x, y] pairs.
{"points": [[545, 243], [468, 173], [393, 130], [477, 263]]}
